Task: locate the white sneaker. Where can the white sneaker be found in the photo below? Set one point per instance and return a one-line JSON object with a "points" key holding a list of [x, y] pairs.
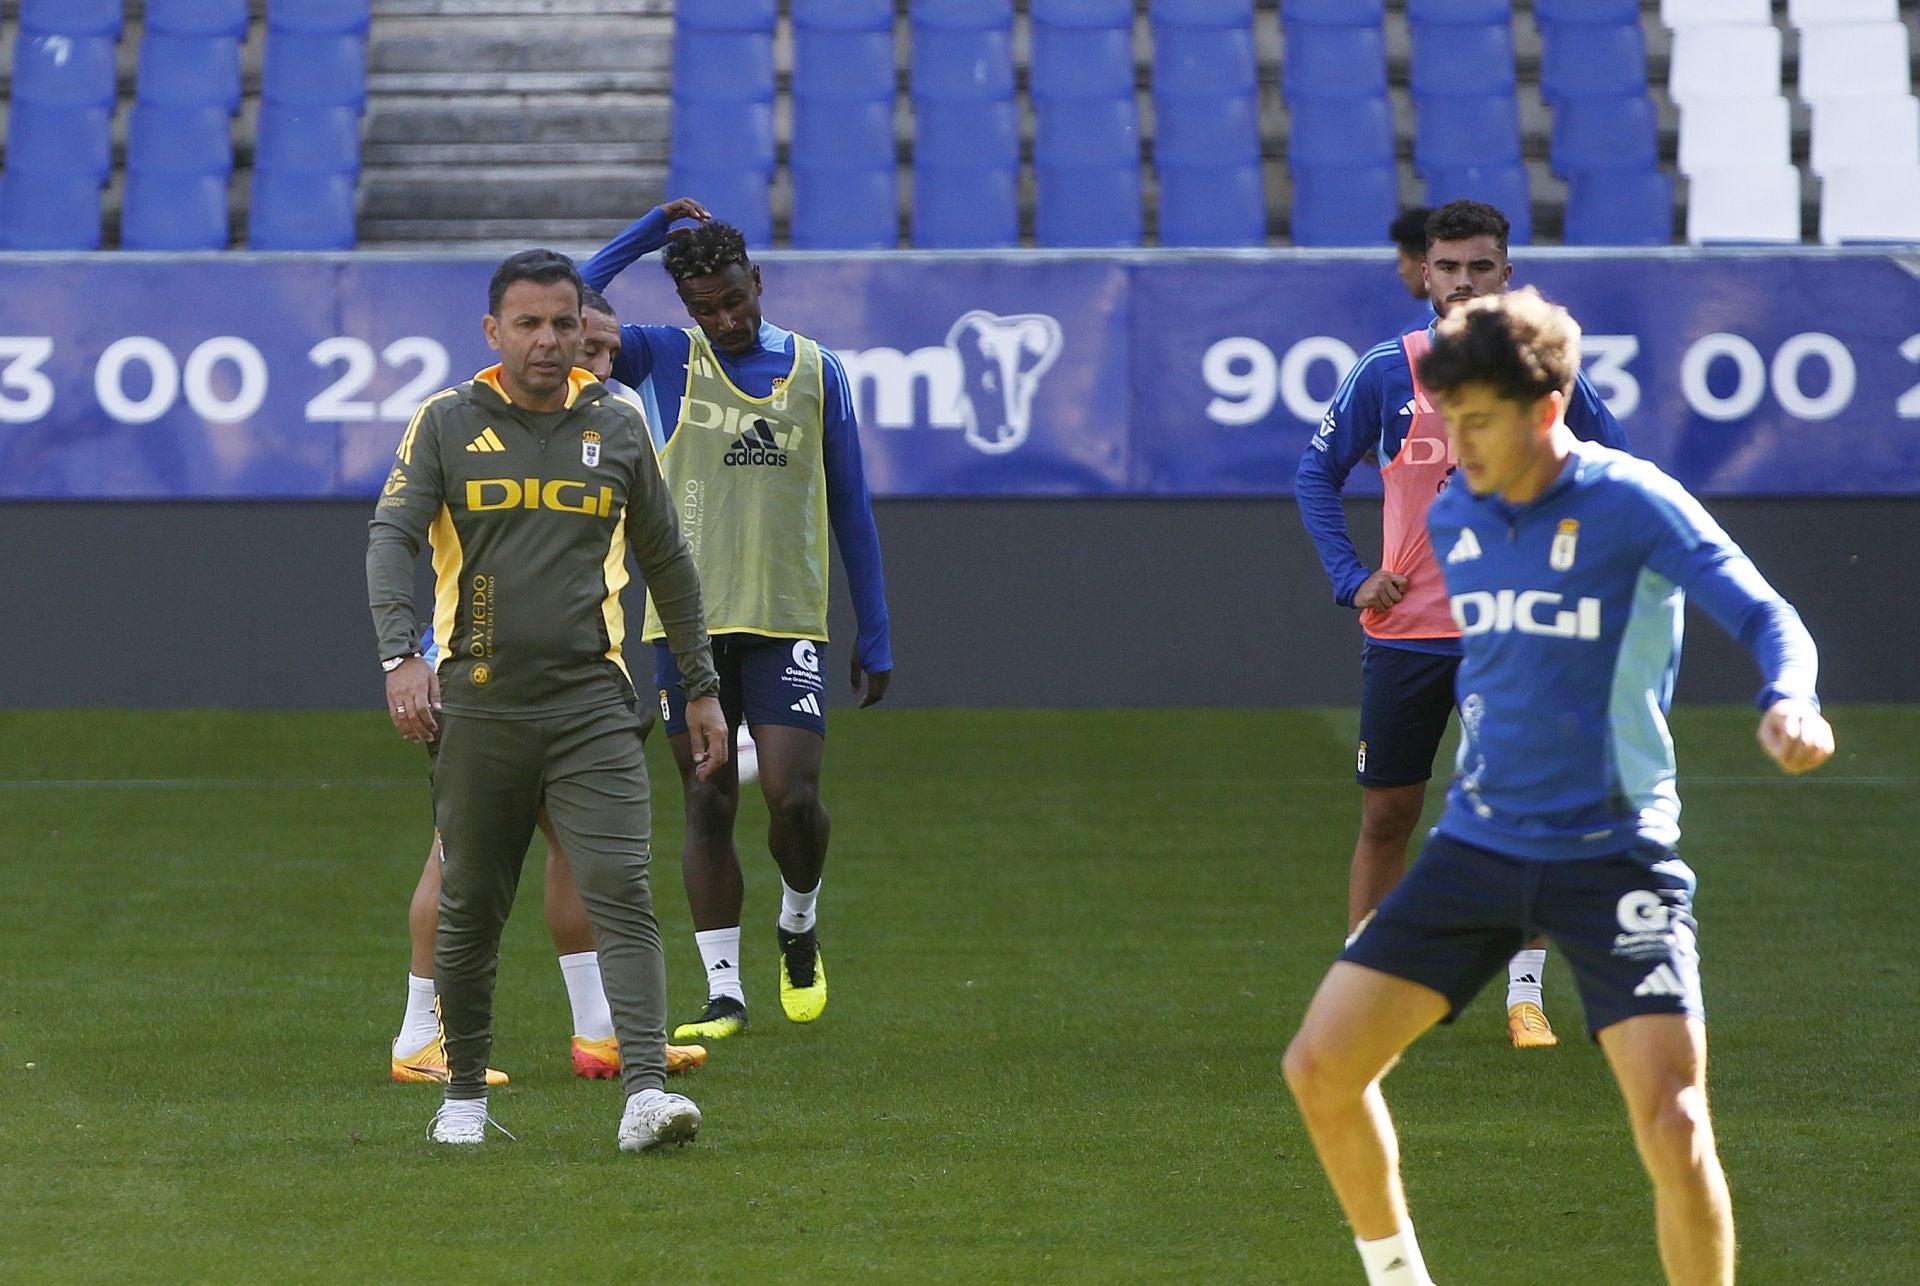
{"points": [[463, 1120], [654, 1118]]}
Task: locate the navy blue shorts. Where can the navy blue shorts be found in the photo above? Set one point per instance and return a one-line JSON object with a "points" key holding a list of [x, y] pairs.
{"points": [[762, 680], [1405, 698], [1624, 922]]}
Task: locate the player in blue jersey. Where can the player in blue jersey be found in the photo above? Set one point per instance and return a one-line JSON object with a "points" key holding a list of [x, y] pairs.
{"points": [[1383, 415], [758, 437], [1567, 565]]}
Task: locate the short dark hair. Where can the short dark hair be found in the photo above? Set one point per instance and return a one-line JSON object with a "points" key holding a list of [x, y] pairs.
{"points": [[1458, 220], [703, 251], [543, 267], [593, 299], [1518, 344], [1409, 231]]}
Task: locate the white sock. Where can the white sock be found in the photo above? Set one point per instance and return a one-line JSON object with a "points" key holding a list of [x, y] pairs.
{"points": [[1524, 973], [720, 953], [421, 1023], [1394, 1261], [591, 1017], [796, 909]]}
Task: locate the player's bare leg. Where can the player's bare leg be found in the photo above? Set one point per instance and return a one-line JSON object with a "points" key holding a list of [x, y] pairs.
{"points": [[710, 869], [419, 1050], [1660, 1061], [1388, 816], [797, 831]]}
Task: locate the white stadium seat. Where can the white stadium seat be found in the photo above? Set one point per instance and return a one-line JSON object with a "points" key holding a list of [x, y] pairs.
{"points": [[1871, 203], [1748, 130], [1865, 131], [1675, 14], [1713, 62], [1853, 60], [1744, 203], [1816, 13]]}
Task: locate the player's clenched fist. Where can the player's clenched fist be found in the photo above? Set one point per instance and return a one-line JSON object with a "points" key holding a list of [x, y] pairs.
{"points": [[1796, 736]]}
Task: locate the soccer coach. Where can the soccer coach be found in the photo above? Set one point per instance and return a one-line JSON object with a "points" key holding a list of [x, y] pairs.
{"points": [[532, 482]]}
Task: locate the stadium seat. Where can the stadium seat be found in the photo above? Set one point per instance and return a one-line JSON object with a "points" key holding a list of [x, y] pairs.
{"points": [[1604, 133], [1752, 130], [1849, 132], [197, 18], [718, 135], [1709, 62], [1462, 60], [966, 135], [1088, 205], [315, 70], [962, 64], [1202, 13], [1871, 204], [174, 212], [73, 70], [845, 209], [1867, 59], [1619, 208], [1814, 13], [1585, 12], [291, 210], [1592, 59], [1459, 12], [963, 14], [965, 208], [71, 17], [843, 15], [49, 211], [1211, 62], [1209, 131], [1086, 132], [1454, 130], [1082, 13], [735, 195], [46, 138], [1340, 131], [832, 135], [1744, 203], [845, 65], [1502, 186], [321, 140], [727, 66], [1212, 205], [164, 139], [1070, 62], [1334, 61], [1675, 14], [1332, 13], [189, 71], [320, 17], [1345, 205], [731, 15]]}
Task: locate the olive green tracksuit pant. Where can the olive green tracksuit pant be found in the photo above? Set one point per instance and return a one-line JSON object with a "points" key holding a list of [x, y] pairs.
{"points": [[491, 777]]}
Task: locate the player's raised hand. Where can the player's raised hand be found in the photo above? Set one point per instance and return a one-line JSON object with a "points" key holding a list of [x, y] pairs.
{"points": [[877, 681], [685, 207], [1796, 736], [1380, 591], [707, 735]]}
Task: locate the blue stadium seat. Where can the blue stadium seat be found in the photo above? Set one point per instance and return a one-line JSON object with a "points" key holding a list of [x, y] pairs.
{"points": [[1454, 130], [291, 210], [74, 70], [189, 71], [962, 64], [318, 70], [1070, 62], [832, 135], [174, 212], [1207, 132], [1202, 13], [163, 139], [1334, 61], [1211, 62], [727, 15], [845, 210], [1605, 133], [1592, 59], [1615, 208], [1344, 205], [1340, 131], [47, 138], [965, 208], [728, 66], [49, 211], [320, 17], [736, 196], [1214, 205], [1462, 60], [965, 14], [321, 140], [1332, 13], [1459, 12], [71, 17], [1581, 12], [1086, 131], [966, 135], [843, 64], [1087, 205], [1082, 13], [1501, 186], [722, 136], [843, 15], [197, 18]]}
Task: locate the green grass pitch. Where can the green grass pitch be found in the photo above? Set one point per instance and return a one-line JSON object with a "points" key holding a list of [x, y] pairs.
{"points": [[1066, 952]]}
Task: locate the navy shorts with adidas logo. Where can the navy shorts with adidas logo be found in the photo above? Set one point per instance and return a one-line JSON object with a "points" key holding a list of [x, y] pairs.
{"points": [[1624, 922], [1405, 699], [762, 680]]}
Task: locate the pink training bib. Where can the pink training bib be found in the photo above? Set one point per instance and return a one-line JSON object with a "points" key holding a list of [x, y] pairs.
{"points": [[1418, 473]]}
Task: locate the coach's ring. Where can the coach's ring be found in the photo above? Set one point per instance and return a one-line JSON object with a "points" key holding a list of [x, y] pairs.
{"points": [[400, 709]]}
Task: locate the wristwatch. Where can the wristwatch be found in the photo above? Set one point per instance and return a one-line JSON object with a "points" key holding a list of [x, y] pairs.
{"points": [[393, 663]]}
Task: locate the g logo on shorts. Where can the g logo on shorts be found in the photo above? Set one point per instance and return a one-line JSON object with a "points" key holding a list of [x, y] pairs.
{"points": [[1642, 911], [805, 656]]}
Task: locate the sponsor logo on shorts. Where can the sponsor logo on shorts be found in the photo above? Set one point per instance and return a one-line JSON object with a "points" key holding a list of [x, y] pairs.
{"points": [[1651, 932], [804, 672]]}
